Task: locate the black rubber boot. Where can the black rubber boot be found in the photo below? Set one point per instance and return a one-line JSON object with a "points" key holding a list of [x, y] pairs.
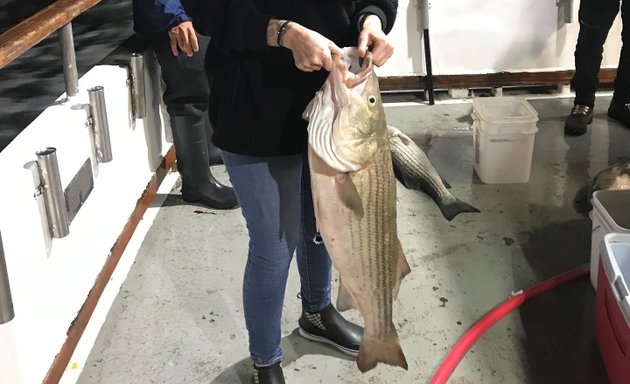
{"points": [[619, 111], [214, 155], [268, 375], [198, 183], [580, 116], [328, 326]]}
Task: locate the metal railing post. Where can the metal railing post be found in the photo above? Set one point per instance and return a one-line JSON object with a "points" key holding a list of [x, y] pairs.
{"points": [[100, 125], [136, 64], [53, 193], [70, 74], [6, 302]]}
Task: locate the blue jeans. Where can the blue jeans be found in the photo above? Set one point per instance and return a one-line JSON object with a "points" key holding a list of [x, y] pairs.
{"points": [[274, 194]]}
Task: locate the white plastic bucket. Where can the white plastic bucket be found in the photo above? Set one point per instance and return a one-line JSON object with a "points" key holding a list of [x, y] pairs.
{"points": [[611, 214], [504, 129]]}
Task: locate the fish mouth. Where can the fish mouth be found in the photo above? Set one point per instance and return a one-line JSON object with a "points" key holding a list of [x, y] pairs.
{"points": [[355, 69]]}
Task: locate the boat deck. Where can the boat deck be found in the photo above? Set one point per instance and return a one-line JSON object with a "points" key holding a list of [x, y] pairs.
{"points": [[178, 317]]}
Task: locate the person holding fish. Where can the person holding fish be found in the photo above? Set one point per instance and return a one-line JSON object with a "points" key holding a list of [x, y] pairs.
{"points": [[266, 61]]}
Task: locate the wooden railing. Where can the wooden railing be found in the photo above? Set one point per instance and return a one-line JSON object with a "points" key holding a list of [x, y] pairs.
{"points": [[36, 28]]}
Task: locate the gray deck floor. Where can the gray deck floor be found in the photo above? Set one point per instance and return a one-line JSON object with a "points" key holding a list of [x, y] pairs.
{"points": [[178, 317]]}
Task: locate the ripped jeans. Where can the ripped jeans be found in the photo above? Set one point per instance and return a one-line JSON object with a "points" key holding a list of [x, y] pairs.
{"points": [[596, 18], [274, 194]]}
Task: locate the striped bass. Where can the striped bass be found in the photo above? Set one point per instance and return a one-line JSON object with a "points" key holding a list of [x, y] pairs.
{"points": [[414, 170], [354, 196]]}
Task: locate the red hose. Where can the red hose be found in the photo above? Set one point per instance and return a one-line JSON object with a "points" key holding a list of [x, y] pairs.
{"points": [[465, 342]]}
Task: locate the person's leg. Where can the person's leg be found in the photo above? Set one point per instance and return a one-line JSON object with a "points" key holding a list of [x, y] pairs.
{"points": [[268, 191], [320, 321], [186, 97], [618, 108], [596, 18]]}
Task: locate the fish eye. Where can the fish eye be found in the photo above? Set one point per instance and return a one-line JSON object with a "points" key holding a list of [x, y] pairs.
{"points": [[372, 100]]}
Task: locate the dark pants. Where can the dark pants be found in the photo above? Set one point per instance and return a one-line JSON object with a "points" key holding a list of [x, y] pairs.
{"points": [[596, 18], [187, 89]]}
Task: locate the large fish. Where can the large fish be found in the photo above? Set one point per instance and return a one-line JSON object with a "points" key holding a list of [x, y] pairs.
{"points": [[354, 195], [616, 176], [415, 171]]}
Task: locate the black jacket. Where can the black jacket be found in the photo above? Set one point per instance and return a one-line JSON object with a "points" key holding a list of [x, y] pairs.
{"points": [[257, 93]]}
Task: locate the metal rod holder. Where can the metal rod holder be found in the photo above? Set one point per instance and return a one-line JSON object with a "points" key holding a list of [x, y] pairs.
{"points": [[70, 74], [53, 193], [568, 11], [138, 96], [100, 125], [6, 302]]}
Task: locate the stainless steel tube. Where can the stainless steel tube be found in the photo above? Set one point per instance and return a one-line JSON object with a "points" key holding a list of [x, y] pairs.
{"points": [[53, 193], [136, 64], [568, 11], [6, 302], [98, 113], [70, 73]]}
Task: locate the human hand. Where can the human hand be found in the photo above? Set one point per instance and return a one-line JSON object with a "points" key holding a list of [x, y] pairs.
{"points": [[311, 51], [372, 36], [183, 37]]}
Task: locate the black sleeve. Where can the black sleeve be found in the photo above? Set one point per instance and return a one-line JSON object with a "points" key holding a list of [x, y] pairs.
{"points": [[384, 9], [235, 26]]}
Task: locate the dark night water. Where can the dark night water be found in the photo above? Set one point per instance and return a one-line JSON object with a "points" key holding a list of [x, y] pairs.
{"points": [[35, 80]]}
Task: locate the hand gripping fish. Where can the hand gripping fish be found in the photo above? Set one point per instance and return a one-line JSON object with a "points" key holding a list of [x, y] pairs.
{"points": [[354, 196]]}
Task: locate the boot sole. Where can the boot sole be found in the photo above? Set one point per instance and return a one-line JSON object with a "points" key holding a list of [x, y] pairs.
{"points": [[321, 339], [571, 131], [218, 206]]}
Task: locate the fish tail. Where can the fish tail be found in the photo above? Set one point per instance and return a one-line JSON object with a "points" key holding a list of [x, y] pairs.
{"points": [[373, 351], [452, 209]]}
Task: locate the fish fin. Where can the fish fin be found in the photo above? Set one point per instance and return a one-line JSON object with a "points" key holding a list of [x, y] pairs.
{"points": [[388, 351], [403, 268], [345, 300], [455, 208], [347, 192]]}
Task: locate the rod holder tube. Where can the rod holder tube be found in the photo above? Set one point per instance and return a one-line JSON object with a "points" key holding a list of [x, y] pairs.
{"points": [[136, 64], [70, 74], [568, 11], [6, 302], [100, 125], [53, 193]]}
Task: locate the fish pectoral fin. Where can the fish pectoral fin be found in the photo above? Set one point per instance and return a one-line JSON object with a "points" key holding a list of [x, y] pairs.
{"points": [[345, 300], [348, 194]]}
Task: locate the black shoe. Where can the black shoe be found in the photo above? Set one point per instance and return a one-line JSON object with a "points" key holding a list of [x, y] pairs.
{"points": [[268, 375], [619, 111], [328, 326], [581, 116]]}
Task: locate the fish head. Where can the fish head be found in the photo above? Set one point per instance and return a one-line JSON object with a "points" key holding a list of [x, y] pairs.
{"points": [[359, 128], [346, 117]]}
